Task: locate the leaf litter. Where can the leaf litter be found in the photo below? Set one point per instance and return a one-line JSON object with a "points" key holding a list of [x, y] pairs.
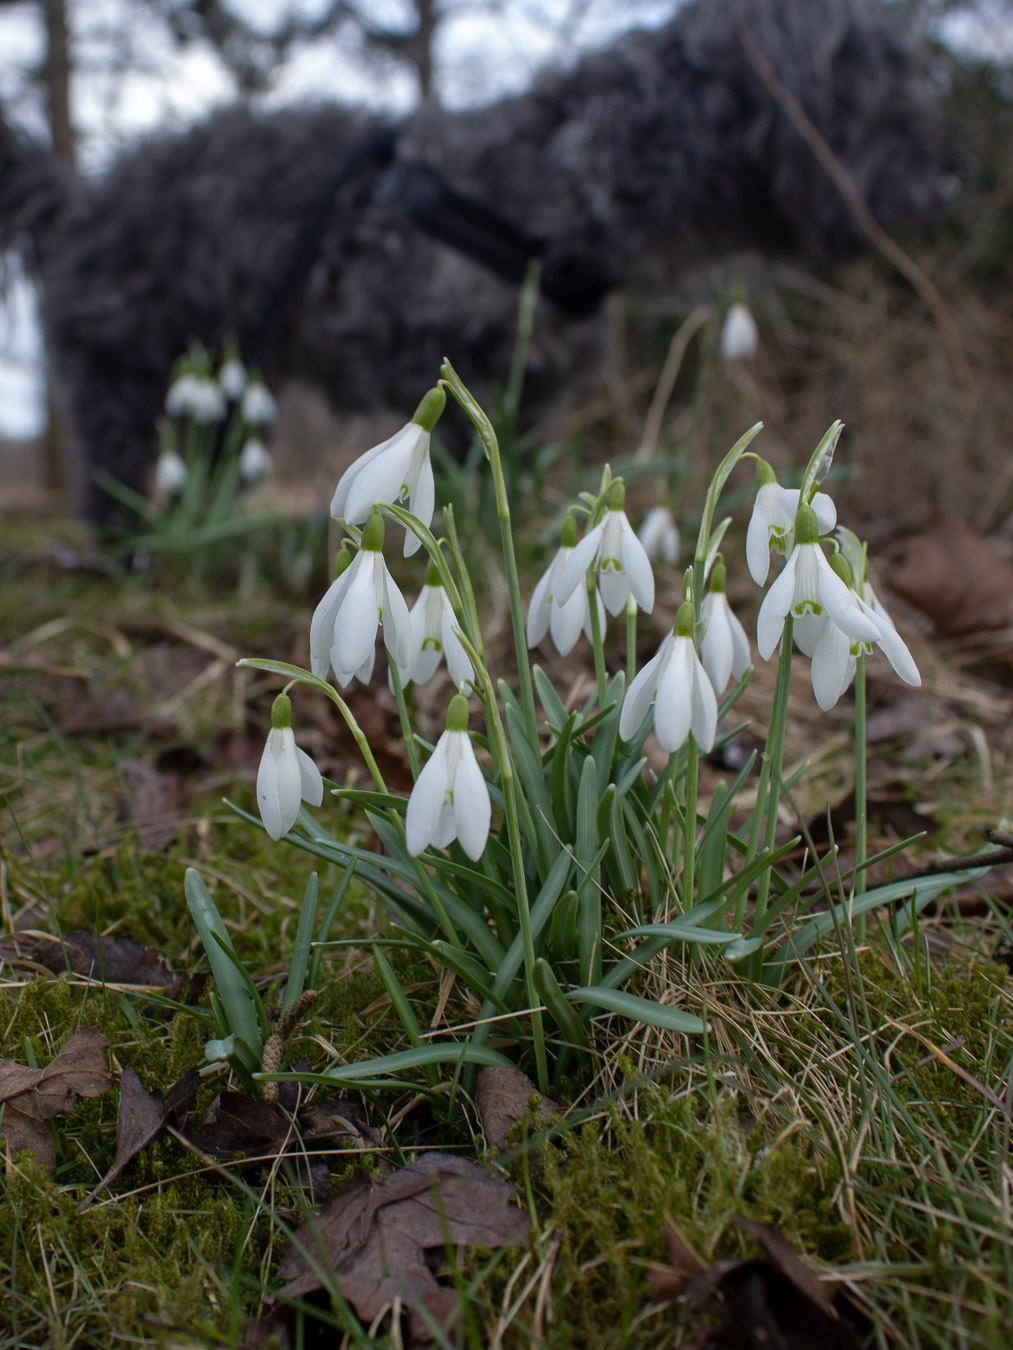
{"points": [[32, 1097], [371, 1239]]}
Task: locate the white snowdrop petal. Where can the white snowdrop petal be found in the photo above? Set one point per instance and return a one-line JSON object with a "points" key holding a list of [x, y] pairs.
{"points": [[421, 502], [614, 589], [356, 622], [842, 603], [322, 623], [472, 807], [576, 566], [637, 566], [567, 621], [397, 624], [538, 611], [426, 800], [704, 721], [742, 657], [673, 704], [833, 667], [716, 649], [311, 787], [826, 512], [774, 610], [640, 694]]}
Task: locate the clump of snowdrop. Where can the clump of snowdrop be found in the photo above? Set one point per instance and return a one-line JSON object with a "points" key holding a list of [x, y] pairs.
{"points": [[659, 535], [567, 620], [287, 776], [677, 684], [450, 799], [397, 468], [740, 338], [724, 648], [198, 396], [613, 552]]}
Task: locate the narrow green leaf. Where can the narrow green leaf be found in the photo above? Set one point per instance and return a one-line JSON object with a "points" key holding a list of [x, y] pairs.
{"points": [[560, 1011], [638, 1009], [588, 885], [303, 943]]}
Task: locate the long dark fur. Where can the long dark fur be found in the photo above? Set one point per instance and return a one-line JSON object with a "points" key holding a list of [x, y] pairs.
{"points": [[308, 234]]}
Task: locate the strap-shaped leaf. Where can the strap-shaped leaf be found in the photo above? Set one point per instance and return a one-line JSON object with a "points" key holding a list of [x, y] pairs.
{"points": [[638, 1009]]}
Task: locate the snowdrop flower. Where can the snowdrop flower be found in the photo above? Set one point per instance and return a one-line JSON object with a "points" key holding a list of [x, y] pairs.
{"points": [[740, 337], [833, 658], [170, 474], [724, 649], [396, 468], [450, 799], [772, 524], [434, 634], [258, 406], [255, 460], [232, 378], [616, 555], [362, 596], [659, 535], [675, 681], [808, 589], [287, 776], [196, 396], [564, 621]]}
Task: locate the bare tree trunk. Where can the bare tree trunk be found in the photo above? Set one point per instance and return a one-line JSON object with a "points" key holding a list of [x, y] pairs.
{"points": [[56, 75]]}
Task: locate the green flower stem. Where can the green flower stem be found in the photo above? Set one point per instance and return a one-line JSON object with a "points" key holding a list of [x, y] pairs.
{"points": [[861, 790], [402, 712], [511, 816], [299, 676], [689, 824], [467, 591], [491, 445], [597, 641], [773, 762], [631, 640], [717, 483]]}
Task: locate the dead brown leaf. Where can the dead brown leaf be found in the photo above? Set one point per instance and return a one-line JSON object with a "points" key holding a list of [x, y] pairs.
{"points": [[116, 960], [141, 1116], [376, 1235], [154, 801], [30, 1096], [773, 1302], [955, 577], [502, 1096]]}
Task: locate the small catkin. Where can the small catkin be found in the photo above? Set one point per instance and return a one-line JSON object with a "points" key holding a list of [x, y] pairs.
{"points": [[274, 1046]]}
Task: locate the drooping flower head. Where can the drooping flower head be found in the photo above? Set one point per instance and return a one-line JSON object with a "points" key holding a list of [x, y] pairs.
{"points": [[809, 589], [675, 681], [258, 406], [834, 655], [287, 776], [170, 474], [612, 550], [255, 460], [195, 395], [772, 524], [434, 635], [232, 378], [361, 597], [564, 621], [740, 337], [450, 799], [393, 470], [659, 535], [724, 648]]}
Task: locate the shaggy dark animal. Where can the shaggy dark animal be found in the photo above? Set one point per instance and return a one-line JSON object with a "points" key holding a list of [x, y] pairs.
{"points": [[356, 254]]}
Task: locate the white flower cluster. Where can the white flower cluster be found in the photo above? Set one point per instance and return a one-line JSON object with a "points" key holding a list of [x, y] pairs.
{"points": [[836, 616]]}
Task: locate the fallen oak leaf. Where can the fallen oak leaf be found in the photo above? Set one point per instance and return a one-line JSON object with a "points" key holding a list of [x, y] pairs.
{"points": [[141, 1116], [376, 1234], [502, 1098], [955, 577], [30, 1096]]}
